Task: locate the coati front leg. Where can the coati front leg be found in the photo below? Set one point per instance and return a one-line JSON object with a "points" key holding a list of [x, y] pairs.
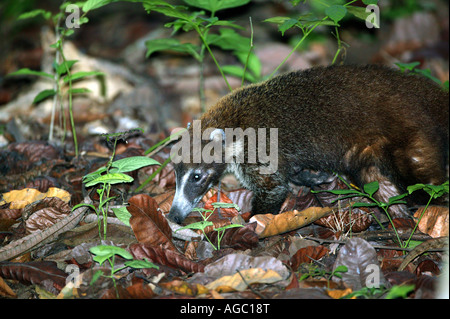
{"points": [[269, 191]]}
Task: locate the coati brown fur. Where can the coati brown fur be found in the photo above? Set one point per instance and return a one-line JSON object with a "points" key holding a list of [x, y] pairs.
{"points": [[364, 122]]}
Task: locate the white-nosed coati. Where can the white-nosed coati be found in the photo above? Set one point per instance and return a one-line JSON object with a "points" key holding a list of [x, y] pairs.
{"points": [[365, 122]]}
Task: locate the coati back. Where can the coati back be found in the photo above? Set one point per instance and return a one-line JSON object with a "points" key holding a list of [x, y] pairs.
{"points": [[367, 123]]}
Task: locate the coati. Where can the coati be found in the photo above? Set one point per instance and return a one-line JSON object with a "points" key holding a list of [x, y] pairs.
{"points": [[365, 122]]}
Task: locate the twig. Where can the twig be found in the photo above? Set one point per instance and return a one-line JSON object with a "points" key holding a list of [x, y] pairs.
{"points": [[260, 295]]}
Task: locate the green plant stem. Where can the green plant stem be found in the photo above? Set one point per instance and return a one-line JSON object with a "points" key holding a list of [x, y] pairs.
{"points": [[212, 56], [167, 161], [249, 51], [305, 35], [420, 218]]}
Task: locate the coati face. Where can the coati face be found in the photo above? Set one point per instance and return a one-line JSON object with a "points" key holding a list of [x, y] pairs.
{"points": [[192, 183]]}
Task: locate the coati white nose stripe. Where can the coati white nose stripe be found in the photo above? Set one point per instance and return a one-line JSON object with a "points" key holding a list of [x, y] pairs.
{"points": [[180, 199]]}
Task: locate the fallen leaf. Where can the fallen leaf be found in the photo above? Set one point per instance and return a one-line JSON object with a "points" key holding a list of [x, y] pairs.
{"points": [[165, 257], [361, 261], [21, 198], [434, 221], [270, 225], [148, 224], [185, 288], [240, 282], [308, 255], [35, 272]]}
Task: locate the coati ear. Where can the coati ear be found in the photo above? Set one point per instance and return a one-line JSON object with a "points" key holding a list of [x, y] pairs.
{"points": [[217, 134]]}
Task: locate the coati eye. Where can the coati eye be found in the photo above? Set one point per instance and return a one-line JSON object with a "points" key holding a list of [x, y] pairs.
{"points": [[196, 177]]}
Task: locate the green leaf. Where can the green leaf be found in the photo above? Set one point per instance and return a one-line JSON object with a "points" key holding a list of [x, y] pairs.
{"points": [[254, 63], [104, 252], [228, 226], [111, 178], [359, 12], [172, 44], [122, 214], [94, 4], [31, 14], [368, 2], [238, 72], [226, 205], [137, 264], [198, 225], [229, 39], [93, 175], [407, 66], [79, 91], [216, 5], [400, 291], [43, 95], [371, 188], [336, 12], [62, 69], [27, 71], [129, 164], [81, 75]]}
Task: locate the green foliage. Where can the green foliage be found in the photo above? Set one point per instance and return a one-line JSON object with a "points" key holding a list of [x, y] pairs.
{"points": [[412, 67], [113, 173], [108, 253], [370, 189], [201, 225]]}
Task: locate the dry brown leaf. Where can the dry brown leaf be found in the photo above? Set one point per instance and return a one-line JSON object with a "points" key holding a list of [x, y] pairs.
{"points": [[434, 221], [148, 224], [308, 255], [270, 225], [45, 213]]}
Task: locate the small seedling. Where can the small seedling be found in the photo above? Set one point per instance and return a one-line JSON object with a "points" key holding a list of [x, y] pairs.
{"points": [[206, 213]]}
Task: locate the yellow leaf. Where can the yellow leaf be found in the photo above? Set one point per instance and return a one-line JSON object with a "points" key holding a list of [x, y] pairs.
{"points": [[251, 276], [21, 198], [270, 225]]}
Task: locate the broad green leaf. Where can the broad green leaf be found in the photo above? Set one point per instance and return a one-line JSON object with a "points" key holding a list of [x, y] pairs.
{"points": [[228, 226], [286, 25], [137, 264], [359, 12], [122, 214], [336, 12], [129, 164], [103, 252], [31, 14], [237, 71], [93, 175], [111, 178], [371, 188], [95, 4], [27, 71], [229, 39], [254, 63], [81, 75], [43, 95], [79, 91], [368, 2], [198, 225], [172, 44], [62, 69], [216, 5], [174, 12]]}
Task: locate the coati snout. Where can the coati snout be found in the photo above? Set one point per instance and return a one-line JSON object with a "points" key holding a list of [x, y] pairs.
{"points": [[364, 122]]}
